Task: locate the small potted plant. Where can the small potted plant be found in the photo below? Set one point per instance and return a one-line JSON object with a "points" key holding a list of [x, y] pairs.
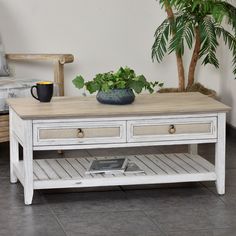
{"points": [[118, 87]]}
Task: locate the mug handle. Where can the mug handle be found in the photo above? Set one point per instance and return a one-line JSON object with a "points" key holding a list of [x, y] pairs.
{"points": [[32, 88]]}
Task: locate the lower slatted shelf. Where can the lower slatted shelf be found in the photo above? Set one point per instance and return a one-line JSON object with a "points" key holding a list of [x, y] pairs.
{"points": [[160, 168]]}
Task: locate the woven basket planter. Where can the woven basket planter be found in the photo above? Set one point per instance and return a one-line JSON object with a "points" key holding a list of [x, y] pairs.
{"points": [[4, 128]]}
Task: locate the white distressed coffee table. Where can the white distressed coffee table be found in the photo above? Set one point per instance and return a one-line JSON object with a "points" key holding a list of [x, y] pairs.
{"points": [[83, 123]]}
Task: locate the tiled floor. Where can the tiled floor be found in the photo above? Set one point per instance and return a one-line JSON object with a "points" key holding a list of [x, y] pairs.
{"points": [[174, 210]]}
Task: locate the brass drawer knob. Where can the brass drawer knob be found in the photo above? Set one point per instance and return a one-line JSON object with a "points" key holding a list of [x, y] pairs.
{"points": [[80, 133], [172, 129]]}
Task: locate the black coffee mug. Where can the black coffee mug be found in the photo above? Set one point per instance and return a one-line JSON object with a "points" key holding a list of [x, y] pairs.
{"points": [[44, 91]]}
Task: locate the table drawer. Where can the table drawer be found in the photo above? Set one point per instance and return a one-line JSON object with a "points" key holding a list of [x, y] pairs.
{"points": [[172, 129], [79, 132]]}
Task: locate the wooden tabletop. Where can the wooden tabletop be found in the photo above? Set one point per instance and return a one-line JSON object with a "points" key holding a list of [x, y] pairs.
{"points": [[87, 107]]}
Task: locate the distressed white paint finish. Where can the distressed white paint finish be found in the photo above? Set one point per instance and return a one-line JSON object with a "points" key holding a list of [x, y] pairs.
{"points": [[117, 127], [193, 149], [188, 125], [169, 168], [19, 171], [125, 118], [28, 161], [17, 126], [14, 148], [117, 145], [164, 168], [220, 154]]}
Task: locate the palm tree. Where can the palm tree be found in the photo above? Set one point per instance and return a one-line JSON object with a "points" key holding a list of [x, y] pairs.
{"points": [[198, 23]]}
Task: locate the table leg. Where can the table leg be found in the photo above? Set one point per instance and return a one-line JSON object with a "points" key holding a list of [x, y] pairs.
{"points": [[14, 156], [28, 163], [193, 149], [220, 154], [14, 150]]}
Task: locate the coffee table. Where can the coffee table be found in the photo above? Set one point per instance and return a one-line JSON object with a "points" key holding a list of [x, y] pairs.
{"points": [[83, 123]]}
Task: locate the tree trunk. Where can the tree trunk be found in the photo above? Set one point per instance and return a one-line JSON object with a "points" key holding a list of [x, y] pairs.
{"points": [[195, 57], [179, 59]]}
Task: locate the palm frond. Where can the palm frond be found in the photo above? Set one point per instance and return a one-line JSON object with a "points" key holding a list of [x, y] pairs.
{"points": [[209, 42], [229, 40], [223, 9], [159, 48], [184, 32]]}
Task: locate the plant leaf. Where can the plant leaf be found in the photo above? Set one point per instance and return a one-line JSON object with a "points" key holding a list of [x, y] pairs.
{"points": [[159, 48], [78, 81]]}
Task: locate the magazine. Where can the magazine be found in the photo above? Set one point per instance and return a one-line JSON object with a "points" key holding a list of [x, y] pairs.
{"points": [[107, 166], [133, 168]]}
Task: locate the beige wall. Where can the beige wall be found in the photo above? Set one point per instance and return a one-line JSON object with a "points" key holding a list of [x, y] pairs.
{"points": [[102, 35]]}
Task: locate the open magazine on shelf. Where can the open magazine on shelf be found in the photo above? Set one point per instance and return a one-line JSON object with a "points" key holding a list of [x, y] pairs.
{"points": [[113, 166]]}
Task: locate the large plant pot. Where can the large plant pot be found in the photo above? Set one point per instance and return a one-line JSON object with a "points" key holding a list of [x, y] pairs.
{"points": [[197, 87], [116, 97]]}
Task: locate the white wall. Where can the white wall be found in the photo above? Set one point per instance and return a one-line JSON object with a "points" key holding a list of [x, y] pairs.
{"points": [[102, 35]]}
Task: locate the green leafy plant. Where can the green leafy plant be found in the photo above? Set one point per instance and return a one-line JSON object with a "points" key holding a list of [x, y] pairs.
{"points": [[124, 78], [197, 23]]}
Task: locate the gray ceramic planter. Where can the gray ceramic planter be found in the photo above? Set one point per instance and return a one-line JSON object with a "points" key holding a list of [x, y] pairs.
{"points": [[116, 96]]}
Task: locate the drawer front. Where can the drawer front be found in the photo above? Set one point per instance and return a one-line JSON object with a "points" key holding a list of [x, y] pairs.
{"points": [[171, 129], [79, 133]]}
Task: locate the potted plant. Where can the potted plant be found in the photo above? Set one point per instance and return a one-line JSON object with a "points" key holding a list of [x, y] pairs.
{"points": [[116, 87], [198, 23]]}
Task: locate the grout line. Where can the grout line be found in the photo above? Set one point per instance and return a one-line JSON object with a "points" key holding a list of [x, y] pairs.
{"points": [[55, 216], [151, 219]]}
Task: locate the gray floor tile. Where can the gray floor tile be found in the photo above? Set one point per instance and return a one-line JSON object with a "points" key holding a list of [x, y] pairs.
{"points": [[127, 223], [192, 233], [12, 196], [155, 199], [4, 171], [89, 202], [214, 232], [184, 219], [180, 219], [29, 225]]}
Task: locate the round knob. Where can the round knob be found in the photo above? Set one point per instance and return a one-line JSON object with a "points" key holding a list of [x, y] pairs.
{"points": [[80, 133], [172, 129]]}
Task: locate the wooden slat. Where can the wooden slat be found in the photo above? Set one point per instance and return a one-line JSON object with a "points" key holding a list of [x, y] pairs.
{"points": [[60, 171], [78, 167], [68, 168], [195, 165], [137, 159], [201, 161], [4, 124], [153, 165], [4, 139], [39, 172], [182, 163], [48, 170], [4, 134], [4, 118], [162, 164], [62, 58], [4, 129], [35, 177], [172, 164]]}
